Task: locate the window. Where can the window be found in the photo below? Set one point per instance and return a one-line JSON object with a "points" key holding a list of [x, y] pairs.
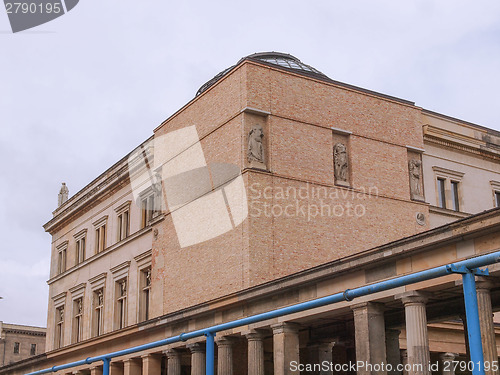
{"points": [[441, 193], [495, 188], [123, 218], [77, 320], [497, 198], [16, 348], [100, 234], [146, 293], [33, 349], [455, 196], [121, 304], [61, 257], [448, 185], [98, 318], [147, 209], [59, 327], [80, 242]]}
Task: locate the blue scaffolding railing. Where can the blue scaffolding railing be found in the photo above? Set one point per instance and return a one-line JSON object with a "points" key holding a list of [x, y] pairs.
{"points": [[467, 268]]}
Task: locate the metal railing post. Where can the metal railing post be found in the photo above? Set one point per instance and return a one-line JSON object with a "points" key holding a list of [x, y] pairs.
{"points": [[210, 353], [473, 327], [105, 366]]}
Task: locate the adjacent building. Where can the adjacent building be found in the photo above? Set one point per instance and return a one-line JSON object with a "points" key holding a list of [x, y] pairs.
{"points": [[276, 185], [19, 342]]}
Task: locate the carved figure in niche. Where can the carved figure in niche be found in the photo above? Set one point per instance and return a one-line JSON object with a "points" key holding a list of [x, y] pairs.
{"points": [[80, 306], [63, 194], [123, 287], [100, 298], [341, 163], [255, 150], [414, 167]]}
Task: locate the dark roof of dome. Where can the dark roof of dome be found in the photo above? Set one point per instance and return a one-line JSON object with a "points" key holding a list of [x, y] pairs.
{"points": [[282, 60]]}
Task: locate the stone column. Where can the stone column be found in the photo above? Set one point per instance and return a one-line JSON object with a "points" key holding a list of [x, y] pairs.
{"points": [[285, 347], [197, 358], [417, 341], [224, 355], [486, 324], [392, 350], [151, 364], [321, 352], [132, 366], [96, 370], [446, 364], [255, 352], [369, 330], [116, 368], [173, 361]]}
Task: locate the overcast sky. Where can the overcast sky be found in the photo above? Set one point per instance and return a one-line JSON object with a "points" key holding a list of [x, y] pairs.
{"points": [[80, 92]]}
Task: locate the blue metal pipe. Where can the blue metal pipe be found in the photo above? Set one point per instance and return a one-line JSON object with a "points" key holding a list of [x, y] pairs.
{"points": [[347, 295], [210, 354], [105, 366], [473, 327]]}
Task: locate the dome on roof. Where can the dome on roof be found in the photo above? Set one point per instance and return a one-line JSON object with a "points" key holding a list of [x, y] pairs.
{"points": [[282, 60]]}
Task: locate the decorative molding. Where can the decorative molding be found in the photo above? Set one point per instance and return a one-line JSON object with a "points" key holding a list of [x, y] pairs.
{"points": [[77, 291], [98, 281], [447, 173], [100, 222], [255, 111], [143, 259], [495, 185], [59, 299], [448, 212], [62, 246], [415, 149], [80, 234], [340, 131], [123, 207], [120, 270]]}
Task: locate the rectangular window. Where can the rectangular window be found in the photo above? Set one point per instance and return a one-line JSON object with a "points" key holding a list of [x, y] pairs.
{"points": [[454, 196], [33, 349], [145, 297], [121, 304], [441, 192], [16, 348], [100, 238], [497, 198], [77, 320], [98, 316], [147, 210], [59, 327], [123, 225], [80, 250]]}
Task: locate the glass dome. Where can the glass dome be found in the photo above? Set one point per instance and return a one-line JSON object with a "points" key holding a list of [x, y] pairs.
{"points": [[282, 60]]}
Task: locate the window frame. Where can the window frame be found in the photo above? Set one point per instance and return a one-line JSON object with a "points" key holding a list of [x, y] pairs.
{"points": [[80, 246], [123, 216], [100, 231], [452, 182], [62, 257]]}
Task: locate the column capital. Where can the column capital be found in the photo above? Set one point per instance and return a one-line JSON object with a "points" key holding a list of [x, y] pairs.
{"points": [[151, 355], [225, 340], [285, 327], [374, 307], [413, 297], [172, 353], [255, 334], [196, 347], [448, 356]]}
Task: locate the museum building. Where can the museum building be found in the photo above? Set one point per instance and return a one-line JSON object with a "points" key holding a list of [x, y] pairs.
{"points": [[276, 185]]}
